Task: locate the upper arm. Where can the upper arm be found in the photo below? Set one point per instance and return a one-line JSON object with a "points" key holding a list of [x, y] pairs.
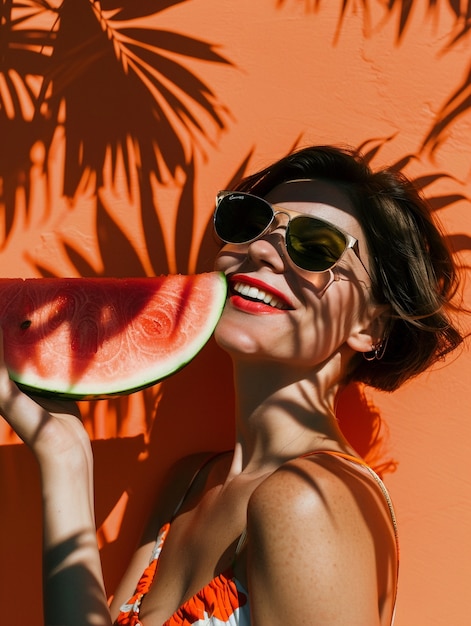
{"points": [[312, 551]]}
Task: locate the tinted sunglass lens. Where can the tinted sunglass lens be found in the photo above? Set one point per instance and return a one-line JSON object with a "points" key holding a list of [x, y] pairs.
{"points": [[240, 218], [314, 245]]}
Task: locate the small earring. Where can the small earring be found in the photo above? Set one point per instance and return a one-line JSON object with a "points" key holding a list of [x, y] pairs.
{"points": [[377, 350]]}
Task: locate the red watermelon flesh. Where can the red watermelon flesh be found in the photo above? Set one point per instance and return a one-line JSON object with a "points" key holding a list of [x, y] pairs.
{"points": [[100, 337]]}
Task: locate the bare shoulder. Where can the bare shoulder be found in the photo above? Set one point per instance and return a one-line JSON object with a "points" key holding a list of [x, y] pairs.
{"points": [[311, 486], [324, 523]]}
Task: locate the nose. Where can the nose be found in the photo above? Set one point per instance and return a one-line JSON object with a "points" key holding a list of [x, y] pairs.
{"points": [[280, 220], [269, 250]]}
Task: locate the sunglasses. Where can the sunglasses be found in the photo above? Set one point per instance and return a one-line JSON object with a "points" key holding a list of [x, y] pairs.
{"points": [[312, 244]]}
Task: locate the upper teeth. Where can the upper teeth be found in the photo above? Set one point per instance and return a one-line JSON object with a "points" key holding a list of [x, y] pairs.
{"points": [[258, 294]]}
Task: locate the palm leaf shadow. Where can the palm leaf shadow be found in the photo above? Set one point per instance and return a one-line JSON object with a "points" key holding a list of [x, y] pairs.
{"points": [[118, 255], [21, 57], [457, 105], [185, 220], [370, 149], [404, 10], [123, 10], [456, 242], [115, 87], [460, 101], [209, 246], [118, 90]]}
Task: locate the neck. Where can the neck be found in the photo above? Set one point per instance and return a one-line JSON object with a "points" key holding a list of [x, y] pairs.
{"points": [[281, 414]]}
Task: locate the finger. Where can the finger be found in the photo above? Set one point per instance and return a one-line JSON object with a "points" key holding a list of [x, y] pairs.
{"points": [[57, 406]]}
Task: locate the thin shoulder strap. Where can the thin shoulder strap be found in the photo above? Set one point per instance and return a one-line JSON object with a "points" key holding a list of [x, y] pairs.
{"points": [[386, 495], [373, 474], [198, 471]]}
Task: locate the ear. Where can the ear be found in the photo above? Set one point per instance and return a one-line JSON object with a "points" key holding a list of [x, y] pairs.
{"points": [[370, 331]]}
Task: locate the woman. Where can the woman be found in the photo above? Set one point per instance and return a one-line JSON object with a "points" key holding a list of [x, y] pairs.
{"points": [[336, 274]]}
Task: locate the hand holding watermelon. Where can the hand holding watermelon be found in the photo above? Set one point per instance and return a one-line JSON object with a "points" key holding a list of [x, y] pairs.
{"points": [[48, 426], [79, 337]]}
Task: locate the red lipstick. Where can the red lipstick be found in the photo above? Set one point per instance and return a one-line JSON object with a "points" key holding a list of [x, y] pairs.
{"points": [[243, 301]]}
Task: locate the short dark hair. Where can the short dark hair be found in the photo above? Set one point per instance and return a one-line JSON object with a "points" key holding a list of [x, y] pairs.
{"points": [[412, 268]]}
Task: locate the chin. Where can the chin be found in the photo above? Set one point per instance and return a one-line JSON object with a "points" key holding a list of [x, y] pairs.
{"points": [[233, 339], [236, 345]]}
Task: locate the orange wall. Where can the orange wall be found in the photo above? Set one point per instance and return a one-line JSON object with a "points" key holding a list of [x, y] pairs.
{"points": [[82, 193]]}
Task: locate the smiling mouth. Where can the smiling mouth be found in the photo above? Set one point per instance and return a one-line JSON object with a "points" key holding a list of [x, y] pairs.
{"points": [[255, 294]]}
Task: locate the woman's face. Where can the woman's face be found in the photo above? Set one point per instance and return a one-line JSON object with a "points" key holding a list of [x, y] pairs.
{"points": [[277, 312]]}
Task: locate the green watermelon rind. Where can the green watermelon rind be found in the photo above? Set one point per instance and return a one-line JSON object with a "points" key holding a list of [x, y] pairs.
{"points": [[40, 386]]}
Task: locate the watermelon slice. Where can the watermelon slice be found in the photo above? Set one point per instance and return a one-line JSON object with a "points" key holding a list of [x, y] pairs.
{"points": [[101, 337]]}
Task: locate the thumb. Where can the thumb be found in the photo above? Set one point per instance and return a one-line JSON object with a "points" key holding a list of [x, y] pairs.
{"points": [[20, 411]]}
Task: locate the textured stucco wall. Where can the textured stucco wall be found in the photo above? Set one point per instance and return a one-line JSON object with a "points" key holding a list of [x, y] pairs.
{"points": [[296, 72]]}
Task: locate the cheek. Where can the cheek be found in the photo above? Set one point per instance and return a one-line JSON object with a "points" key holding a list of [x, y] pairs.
{"points": [[229, 256], [331, 318]]}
